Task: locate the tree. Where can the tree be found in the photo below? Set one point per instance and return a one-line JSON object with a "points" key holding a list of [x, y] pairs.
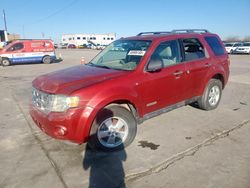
{"points": [[232, 39], [246, 39]]}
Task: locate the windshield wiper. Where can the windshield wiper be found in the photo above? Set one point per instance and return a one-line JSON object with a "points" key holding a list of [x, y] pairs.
{"points": [[95, 65], [90, 64], [103, 66], [106, 67]]}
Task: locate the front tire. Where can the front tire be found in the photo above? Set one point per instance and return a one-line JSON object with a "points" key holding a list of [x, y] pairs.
{"points": [[46, 59], [211, 96], [5, 62], [114, 128]]}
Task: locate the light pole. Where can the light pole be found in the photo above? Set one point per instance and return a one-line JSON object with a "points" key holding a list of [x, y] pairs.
{"points": [[4, 19]]}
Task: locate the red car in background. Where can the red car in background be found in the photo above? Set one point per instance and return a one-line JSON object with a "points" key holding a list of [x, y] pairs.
{"points": [[71, 46]]}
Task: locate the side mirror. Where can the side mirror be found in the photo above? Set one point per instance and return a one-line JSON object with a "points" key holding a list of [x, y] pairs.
{"points": [[155, 65]]}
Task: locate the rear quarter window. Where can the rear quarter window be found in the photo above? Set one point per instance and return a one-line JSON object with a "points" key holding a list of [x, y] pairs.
{"points": [[215, 45]]}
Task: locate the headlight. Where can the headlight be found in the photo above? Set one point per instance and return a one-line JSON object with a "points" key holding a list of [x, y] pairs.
{"points": [[61, 103], [53, 103]]}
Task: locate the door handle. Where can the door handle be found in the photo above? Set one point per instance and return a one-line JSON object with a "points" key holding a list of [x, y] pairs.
{"points": [[178, 73], [207, 65]]}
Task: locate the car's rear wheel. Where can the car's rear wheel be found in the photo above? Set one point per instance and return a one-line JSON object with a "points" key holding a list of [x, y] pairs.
{"points": [[211, 96], [5, 62], [113, 129], [46, 59]]}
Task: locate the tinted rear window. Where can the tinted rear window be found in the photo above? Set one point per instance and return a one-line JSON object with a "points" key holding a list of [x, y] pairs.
{"points": [[215, 45]]}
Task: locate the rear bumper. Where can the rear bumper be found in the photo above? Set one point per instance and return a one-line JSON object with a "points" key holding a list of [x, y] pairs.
{"points": [[73, 125]]}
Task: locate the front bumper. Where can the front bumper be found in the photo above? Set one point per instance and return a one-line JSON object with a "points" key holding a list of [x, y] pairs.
{"points": [[73, 125]]}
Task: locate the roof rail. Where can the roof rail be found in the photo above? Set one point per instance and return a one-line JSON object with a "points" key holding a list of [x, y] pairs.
{"points": [[153, 33], [190, 31]]}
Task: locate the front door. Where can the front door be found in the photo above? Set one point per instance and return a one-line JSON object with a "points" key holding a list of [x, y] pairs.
{"points": [[167, 86], [17, 51]]}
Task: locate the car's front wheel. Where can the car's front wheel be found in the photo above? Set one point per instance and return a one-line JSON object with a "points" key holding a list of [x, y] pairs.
{"points": [[46, 59], [113, 129], [5, 62], [211, 96]]}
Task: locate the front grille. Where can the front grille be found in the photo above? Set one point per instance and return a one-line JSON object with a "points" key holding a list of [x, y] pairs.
{"points": [[40, 99]]}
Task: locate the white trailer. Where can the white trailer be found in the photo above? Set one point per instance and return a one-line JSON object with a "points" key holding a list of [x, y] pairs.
{"points": [[93, 40]]}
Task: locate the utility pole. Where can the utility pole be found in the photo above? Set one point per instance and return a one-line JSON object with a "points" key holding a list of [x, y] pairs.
{"points": [[4, 19], [23, 32]]}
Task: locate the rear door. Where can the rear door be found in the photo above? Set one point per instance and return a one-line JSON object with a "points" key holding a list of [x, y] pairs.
{"points": [[220, 57], [167, 86], [197, 63]]}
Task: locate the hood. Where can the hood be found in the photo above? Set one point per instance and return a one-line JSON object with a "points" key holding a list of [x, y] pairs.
{"points": [[71, 79]]}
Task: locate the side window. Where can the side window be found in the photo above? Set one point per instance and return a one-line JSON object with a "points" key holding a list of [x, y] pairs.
{"points": [[168, 52], [15, 47], [215, 45], [193, 49]]}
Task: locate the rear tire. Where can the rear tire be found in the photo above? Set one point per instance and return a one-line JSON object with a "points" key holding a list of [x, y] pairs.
{"points": [[46, 59], [114, 128], [211, 96], [5, 62]]}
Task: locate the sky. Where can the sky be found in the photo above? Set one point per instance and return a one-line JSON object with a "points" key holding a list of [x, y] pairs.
{"points": [[52, 18]]}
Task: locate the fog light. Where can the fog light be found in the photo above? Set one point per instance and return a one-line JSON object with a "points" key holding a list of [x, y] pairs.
{"points": [[61, 131]]}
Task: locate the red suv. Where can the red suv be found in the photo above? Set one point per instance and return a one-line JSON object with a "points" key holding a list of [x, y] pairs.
{"points": [[131, 80]]}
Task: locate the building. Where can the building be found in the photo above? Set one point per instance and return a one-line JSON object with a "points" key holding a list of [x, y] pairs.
{"points": [[12, 37], [88, 39]]}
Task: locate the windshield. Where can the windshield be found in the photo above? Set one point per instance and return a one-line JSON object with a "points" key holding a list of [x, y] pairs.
{"points": [[121, 55], [228, 45]]}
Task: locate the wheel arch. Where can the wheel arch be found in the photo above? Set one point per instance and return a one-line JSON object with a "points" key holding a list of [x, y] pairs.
{"points": [[84, 132], [220, 77], [128, 105]]}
